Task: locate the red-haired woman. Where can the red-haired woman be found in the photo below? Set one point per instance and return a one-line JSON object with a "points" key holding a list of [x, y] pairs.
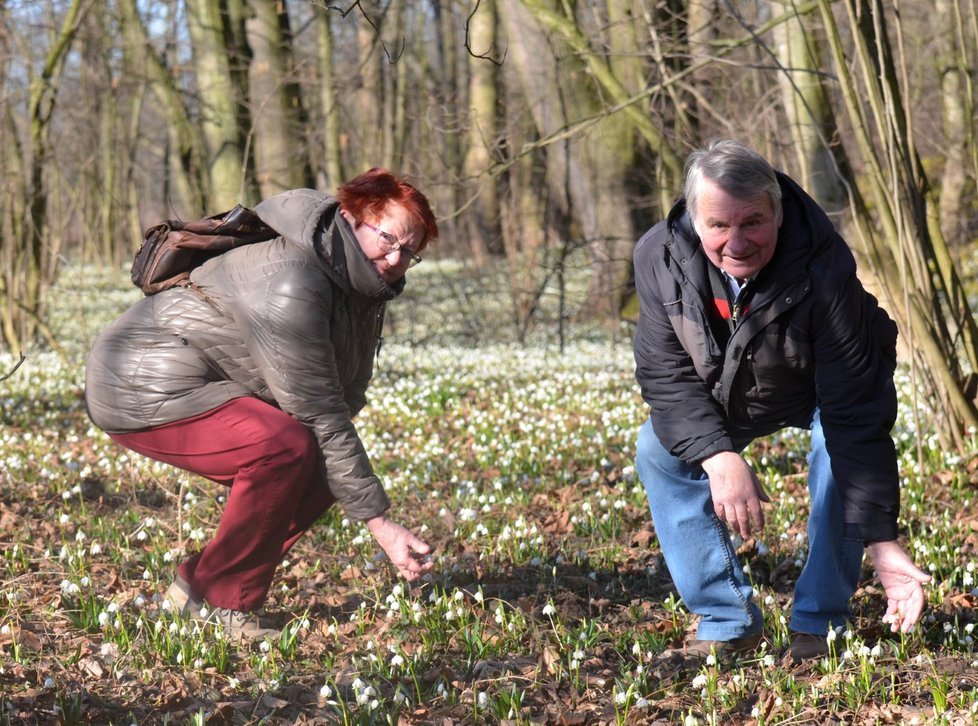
{"points": [[251, 377]]}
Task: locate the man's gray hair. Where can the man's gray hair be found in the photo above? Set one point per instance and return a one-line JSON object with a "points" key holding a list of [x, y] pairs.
{"points": [[735, 168]]}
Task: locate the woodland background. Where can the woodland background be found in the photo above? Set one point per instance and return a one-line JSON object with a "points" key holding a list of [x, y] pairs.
{"points": [[549, 134], [536, 126]]}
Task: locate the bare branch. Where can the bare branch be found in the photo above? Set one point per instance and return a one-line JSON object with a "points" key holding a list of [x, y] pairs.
{"points": [[468, 46], [14, 369]]}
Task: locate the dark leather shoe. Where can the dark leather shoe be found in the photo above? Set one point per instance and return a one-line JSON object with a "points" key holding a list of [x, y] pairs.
{"points": [[807, 646], [702, 649]]}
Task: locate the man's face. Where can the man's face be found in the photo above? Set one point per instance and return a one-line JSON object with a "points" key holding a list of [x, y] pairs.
{"points": [[738, 235]]}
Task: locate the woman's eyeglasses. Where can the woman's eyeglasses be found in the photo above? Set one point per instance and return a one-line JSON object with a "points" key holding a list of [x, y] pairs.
{"points": [[389, 243]]}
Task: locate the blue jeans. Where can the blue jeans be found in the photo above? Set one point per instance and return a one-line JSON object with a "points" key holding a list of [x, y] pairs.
{"points": [[702, 561]]}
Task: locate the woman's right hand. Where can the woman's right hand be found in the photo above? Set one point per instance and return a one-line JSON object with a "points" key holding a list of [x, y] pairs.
{"points": [[405, 551]]}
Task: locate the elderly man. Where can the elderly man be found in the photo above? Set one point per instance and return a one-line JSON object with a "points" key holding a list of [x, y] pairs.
{"points": [[752, 320]]}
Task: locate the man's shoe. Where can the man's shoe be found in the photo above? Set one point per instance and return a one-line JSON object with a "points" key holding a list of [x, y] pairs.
{"points": [[705, 648], [807, 646], [702, 649], [236, 624], [181, 599]]}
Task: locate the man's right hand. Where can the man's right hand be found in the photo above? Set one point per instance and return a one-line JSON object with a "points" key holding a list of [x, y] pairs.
{"points": [[737, 492]]}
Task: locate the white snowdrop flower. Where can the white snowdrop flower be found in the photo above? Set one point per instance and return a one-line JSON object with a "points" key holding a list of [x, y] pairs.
{"points": [[397, 660], [113, 607], [636, 648], [700, 681], [642, 703], [141, 535], [139, 601], [830, 636], [95, 549], [325, 691], [49, 683], [621, 697], [64, 519], [478, 597], [103, 618], [549, 609]]}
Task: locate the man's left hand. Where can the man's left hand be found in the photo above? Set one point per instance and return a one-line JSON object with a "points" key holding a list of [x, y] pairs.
{"points": [[903, 581]]}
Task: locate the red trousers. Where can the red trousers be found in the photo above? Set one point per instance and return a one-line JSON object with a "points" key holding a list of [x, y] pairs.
{"points": [[272, 466]]}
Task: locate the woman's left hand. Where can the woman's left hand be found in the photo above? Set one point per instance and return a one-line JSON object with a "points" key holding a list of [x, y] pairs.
{"points": [[406, 551]]}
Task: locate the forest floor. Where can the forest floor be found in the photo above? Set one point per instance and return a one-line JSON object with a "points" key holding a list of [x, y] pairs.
{"points": [[549, 604]]}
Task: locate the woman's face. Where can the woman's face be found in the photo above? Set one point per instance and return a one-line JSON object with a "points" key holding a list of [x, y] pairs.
{"points": [[390, 241]]}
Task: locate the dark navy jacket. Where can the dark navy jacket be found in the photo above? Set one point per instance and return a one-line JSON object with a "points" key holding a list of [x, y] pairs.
{"points": [[811, 337]]}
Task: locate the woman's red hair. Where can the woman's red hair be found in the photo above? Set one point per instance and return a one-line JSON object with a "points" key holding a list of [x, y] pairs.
{"points": [[368, 195]]}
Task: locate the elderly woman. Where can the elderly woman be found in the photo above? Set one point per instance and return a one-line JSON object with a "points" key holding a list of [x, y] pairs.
{"points": [[252, 375]]}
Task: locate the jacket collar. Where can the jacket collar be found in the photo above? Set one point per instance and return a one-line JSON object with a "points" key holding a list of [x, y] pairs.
{"points": [[364, 279]]}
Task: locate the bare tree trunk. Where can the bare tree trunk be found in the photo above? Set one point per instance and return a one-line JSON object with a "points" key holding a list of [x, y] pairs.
{"points": [[217, 88], [810, 115], [27, 279], [185, 183], [371, 107], [908, 252], [482, 221], [331, 174], [958, 57], [590, 170], [281, 159]]}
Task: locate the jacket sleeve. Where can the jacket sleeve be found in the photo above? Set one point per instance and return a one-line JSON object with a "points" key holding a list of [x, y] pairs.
{"points": [[855, 356], [687, 419], [285, 326]]}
